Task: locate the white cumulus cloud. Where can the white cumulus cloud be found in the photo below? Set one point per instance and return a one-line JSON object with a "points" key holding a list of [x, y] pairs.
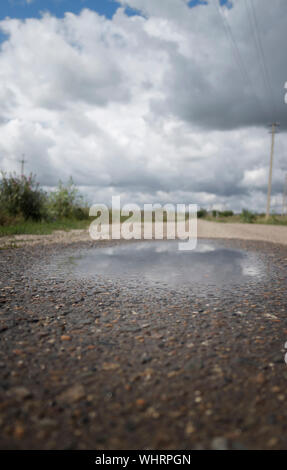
{"points": [[152, 107]]}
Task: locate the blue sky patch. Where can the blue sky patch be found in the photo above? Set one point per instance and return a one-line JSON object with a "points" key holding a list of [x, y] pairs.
{"points": [[23, 9], [34, 8], [227, 3], [194, 3]]}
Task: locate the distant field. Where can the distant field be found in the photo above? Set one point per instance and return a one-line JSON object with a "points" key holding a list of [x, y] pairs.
{"points": [[254, 219], [46, 228]]}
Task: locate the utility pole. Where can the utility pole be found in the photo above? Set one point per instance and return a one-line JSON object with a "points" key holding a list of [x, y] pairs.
{"points": [[284, 205], [273, 132], [23, 161]]}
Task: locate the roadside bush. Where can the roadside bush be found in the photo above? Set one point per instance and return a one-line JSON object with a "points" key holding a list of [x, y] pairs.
{"points": [[226, 214], [21, 197], [201, 213], [247, 216], [66, 202], [7, 219]]}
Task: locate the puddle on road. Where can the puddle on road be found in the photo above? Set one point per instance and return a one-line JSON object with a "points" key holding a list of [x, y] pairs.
{"points": [[211, 263]]}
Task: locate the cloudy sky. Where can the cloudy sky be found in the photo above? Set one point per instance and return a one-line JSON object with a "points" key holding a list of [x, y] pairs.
{"points": [[153, 100]]}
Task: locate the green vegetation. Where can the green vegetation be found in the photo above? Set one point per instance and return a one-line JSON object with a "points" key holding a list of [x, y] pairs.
{"points": [[20, 198], [202, 213], [66, 203], [246, 217], [26, 209], [274, 219], [42, 227]]}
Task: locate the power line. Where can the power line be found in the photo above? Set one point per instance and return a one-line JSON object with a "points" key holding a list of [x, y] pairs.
{"points": [[252, 25], [228, 31], [237, 56], [284, 204], [266, 77], [273, 132], [22, 161], [266, 73], [244, 73]]}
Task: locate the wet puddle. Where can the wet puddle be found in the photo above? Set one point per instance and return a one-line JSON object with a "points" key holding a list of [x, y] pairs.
{"points": [[152, 262]]}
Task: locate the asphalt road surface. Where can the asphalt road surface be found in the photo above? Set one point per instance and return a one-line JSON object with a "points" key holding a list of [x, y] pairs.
{"points": [[109, 346]]}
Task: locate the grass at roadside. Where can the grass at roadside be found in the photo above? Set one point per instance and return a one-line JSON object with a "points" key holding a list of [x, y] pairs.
{"points": [[255, 219], [273, 220], [42, 228], [46, 228]]}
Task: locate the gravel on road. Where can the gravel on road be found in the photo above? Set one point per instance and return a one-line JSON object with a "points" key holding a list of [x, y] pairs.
{"points": [[117, 365]]}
